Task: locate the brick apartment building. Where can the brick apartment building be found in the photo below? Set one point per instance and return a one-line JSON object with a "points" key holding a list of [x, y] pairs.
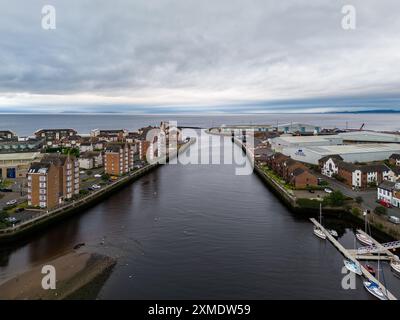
{"points": [[119, 158], [292, 171], [358, 176], [52, 180]]}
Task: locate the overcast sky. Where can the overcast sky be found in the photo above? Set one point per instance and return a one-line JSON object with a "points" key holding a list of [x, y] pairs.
{"points": [[155, 56]]}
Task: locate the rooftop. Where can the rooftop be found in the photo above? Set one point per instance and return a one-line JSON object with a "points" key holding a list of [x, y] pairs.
{"points": [[355, 148]]}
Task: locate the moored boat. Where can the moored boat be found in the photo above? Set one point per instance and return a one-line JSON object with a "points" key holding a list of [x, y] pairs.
{"points": [[319, 233], [370, 269], [333, 233], [364, 239], [395, 265], [374, 289], [352, 266]]}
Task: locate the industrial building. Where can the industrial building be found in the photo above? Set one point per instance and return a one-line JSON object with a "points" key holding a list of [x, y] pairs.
{"points": [[278, 144], [369, 137], [350, 153], [284, 128]]}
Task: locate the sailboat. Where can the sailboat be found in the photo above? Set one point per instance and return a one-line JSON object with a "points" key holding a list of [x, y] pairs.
{"points": [[373, 288], [362, 237], [395, 265], [352, 266], [317, 231]]}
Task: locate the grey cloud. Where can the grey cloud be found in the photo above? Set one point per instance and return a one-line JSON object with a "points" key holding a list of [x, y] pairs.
{"points": [[198, 51]]}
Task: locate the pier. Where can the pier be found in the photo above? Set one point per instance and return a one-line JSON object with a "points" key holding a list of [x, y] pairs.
{"points": [[353, 256]]}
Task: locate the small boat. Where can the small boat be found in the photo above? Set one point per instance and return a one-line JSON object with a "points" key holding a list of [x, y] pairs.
{"points": [[370, 269], [333, 233], [352, 266], [374, 289], [395, 265], [364, 239], [319, 233]]}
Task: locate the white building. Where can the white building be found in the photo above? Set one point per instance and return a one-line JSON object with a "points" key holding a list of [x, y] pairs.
{"points": [[90, 160], [369, 136], [289, 141], [349, 153], [389, 192]]}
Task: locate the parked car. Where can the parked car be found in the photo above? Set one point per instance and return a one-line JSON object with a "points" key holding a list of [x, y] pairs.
{"points": [[11, 202], [327, 190], [97, 175], [6, 190], [19, 210], [394, 219], [311, 191], [385, 203], [96, 186]]}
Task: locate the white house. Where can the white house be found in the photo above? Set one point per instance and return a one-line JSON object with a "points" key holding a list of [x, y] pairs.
{"points": [[330, 165], [389, 192], [90, 160], [85, 147]]}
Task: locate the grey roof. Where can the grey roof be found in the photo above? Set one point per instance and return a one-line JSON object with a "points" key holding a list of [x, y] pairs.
{"points": [[387, 185], [298, 172]]}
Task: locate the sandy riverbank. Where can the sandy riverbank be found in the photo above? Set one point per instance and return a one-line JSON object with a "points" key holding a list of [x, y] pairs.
{"points": [[75, 271]]}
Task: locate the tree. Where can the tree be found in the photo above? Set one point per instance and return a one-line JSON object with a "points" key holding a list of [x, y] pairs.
{"points": [[105, 177], [359, 200], [380, 211], [335, 199]]}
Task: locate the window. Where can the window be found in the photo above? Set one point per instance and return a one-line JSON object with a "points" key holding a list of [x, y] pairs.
{"points": [[42, 178], [42, 204]]}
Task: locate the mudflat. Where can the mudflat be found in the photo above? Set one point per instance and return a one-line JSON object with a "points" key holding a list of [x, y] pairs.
{"points": [[74, 271]]}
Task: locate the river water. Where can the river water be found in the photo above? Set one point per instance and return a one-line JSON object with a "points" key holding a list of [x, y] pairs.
{"points": [[200, 232]]}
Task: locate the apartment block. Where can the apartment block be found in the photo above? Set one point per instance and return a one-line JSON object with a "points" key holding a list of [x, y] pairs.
{"points": [[53, 180], [119, 159]]}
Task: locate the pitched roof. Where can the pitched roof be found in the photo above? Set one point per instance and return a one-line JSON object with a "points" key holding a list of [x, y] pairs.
{"points": [[387, 185], [395, 156]]}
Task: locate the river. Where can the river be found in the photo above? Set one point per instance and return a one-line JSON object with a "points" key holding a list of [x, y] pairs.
{"points": [[199, 232]]}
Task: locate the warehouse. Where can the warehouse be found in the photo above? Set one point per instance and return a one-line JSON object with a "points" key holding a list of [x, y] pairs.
{"points": [[350, 153], [369, 136], [282, 142]]}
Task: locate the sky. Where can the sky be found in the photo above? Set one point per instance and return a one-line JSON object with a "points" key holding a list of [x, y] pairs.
{"points": [[209, 56]]}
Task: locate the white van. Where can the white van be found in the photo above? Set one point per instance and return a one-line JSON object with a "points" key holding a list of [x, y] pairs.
{"points": [[394, 219]]}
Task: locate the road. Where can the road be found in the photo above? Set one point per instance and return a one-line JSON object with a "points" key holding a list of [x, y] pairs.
{"points": [[369, 196]]}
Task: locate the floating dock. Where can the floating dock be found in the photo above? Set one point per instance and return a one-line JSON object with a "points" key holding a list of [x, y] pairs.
{"points": [[352, 255]]}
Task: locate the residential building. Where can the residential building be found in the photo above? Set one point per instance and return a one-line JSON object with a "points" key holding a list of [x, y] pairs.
{"points": [[109, 135], [119, 158], [53, 137], [85, 147], [389, 192], [355, 175], [302, 178], [90, 160], [7, 135], [56, 174], [394, 159], [293, 172], [44, 185]]}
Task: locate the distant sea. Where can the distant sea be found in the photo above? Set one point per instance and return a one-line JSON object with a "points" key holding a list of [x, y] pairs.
{"points": [[27, 124]]}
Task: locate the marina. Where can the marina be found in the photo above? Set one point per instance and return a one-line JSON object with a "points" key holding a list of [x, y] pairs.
{"points": [[351, 256]]}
